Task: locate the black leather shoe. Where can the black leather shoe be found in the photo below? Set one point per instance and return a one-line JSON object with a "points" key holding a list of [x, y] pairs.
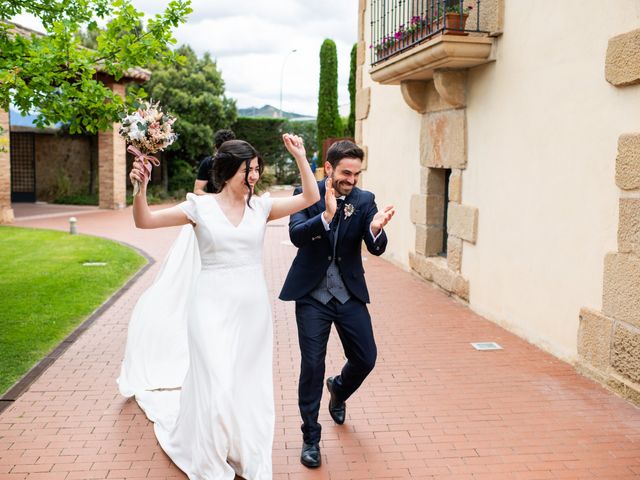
{"points": [[310, 456], [337, 410]]}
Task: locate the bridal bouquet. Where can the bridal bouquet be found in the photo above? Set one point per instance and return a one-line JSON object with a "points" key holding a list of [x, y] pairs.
{"points": [[147, 130]]}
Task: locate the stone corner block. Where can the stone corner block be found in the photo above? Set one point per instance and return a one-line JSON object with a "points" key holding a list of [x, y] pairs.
{"points": [[594, 338], [418, 209], [491, 18], [454, 253], [434, 269], [361, 21], [629, 225], [625, 388], [358, 132], [461, 287], [455, 186], [432, 181], [622, 63], [625, 351], [419, 265], [621, 290], [462, 222], [363, 103], [429, 240], [361, 53], [359, 81], [442, 276], [628, 162], [365, 158], [443, 139]]}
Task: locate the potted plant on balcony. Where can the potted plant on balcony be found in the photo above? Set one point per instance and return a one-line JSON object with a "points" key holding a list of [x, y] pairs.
{"points": [[456, 18], [385, 47], [417, 29]]}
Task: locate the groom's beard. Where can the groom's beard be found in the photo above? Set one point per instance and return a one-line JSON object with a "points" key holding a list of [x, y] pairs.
{"points": [[342, 187]]}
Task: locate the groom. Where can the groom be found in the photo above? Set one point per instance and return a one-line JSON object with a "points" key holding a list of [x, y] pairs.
{"points": [[326, 280]]}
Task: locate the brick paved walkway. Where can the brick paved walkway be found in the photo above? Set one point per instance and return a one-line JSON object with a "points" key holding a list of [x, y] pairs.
{"points": [[434, 408]]}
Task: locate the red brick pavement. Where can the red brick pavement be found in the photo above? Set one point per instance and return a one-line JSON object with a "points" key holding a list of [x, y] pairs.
{"points": [[434, 408]]}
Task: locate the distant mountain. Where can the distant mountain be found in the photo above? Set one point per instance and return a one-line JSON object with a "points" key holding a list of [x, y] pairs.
{"points": [[271, 112]]}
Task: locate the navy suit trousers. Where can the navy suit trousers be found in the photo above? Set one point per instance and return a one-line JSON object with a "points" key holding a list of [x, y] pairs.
{"points": [[353, 324]]}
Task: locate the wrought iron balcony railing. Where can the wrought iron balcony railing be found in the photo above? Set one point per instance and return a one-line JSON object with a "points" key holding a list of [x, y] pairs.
{"points": [[398, 25]]}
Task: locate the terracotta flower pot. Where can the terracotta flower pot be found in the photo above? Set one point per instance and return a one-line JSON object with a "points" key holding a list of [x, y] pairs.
{"points": [[455, 23]]}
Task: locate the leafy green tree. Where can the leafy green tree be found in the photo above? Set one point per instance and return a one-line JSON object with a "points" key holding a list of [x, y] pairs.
{"points": [[265, 134], [89, 37], [307, 130], [55, 74], [328, 120], [350, 129], [192, 90]]}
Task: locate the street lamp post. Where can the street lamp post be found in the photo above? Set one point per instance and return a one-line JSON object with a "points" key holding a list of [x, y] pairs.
{"points": [[284, 62]]}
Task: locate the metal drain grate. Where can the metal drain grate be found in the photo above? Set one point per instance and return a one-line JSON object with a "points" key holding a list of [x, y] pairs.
{"points": [[486, 346]]}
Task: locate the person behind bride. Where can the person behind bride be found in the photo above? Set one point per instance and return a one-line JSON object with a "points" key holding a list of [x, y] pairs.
{"points": [[199, 348]]}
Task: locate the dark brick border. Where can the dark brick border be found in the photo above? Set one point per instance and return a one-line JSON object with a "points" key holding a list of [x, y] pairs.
{"points": [[39, 368]]}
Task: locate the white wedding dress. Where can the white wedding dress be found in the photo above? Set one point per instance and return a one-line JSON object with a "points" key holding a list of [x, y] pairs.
{"points": [[199, 347]]}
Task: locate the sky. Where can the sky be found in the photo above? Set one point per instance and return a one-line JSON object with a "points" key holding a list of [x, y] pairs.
{"points": [[251, 41]]}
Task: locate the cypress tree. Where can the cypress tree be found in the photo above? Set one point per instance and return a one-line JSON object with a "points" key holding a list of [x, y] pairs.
{"points": [[329, 122], [351, 125]]}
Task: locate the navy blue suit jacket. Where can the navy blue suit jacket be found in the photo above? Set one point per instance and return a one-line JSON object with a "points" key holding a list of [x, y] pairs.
{"points": [[315, 247]]}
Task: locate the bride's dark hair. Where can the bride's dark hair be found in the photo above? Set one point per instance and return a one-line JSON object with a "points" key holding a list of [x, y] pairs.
{"points": [[228, 160]]}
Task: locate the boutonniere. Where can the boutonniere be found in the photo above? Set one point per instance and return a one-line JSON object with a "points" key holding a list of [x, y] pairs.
{"points": [[348, 210]]}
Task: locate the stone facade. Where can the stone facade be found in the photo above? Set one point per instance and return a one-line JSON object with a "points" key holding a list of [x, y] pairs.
{"points": [[432, 76], [6, 212], [443, 137], [363, 95], [513, 234], [609, 341]]}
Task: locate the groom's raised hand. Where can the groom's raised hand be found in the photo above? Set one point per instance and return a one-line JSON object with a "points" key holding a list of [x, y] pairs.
{"points": [[330, 203], [382, 218]]}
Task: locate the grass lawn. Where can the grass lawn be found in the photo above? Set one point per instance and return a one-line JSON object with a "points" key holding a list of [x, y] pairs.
{"points": [[45, 291]]}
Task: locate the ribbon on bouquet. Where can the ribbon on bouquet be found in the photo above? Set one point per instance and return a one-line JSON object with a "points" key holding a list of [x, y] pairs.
{"points": [[148, 161]]}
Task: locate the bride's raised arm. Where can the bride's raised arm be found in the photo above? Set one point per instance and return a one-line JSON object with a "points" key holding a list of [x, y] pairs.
{"points": [[142, 215], [310, 194]]}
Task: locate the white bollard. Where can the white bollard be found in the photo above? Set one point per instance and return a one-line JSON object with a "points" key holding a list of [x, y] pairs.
{"points": [[72, 226]]}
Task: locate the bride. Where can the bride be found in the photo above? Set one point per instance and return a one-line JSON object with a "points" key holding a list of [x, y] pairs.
{"points": [[199, 347]]}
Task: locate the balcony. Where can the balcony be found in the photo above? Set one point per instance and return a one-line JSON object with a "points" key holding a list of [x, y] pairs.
{"points": [[411, 39]]}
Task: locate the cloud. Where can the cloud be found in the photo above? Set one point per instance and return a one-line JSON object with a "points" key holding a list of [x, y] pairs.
{"points": [[251, 41]]}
